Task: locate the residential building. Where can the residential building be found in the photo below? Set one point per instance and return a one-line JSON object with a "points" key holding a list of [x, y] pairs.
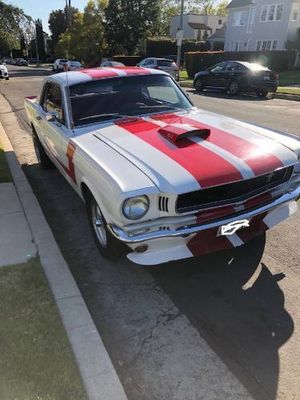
{"points": [[261, 25], [196, 26], [217, 39]]}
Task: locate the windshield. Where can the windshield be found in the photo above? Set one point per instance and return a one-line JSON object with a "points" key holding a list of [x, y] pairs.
{"points": [[100, 100]]}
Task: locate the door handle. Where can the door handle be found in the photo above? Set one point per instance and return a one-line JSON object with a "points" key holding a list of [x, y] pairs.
{"points": [[38, 118]]}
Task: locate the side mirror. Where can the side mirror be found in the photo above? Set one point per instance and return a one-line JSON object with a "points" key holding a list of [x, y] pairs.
{"points": [[52, 116]]}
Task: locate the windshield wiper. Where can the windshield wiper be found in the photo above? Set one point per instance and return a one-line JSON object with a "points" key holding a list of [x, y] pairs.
{"points": [[105, 116]]}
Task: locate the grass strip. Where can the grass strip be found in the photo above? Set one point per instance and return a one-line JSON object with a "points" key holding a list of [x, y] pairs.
{"points": [[289, 90], [36, 360]]}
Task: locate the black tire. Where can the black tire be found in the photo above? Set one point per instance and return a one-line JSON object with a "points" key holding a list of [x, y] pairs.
{"points": [[233, 88], [43, 159], [107, 244], [262, 93], [7, 79], [198, 85]]}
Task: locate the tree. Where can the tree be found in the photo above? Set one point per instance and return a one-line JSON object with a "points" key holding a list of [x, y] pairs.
{"points": [[58, 22], [84, 40], [40, 40], [12, 22], [128, 22]]}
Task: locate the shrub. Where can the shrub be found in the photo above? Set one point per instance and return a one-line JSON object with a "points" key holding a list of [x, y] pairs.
{"points": [[163, 46], [275, 60], [128, 60]]}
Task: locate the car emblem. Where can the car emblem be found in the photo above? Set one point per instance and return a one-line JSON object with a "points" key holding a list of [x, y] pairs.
{"points": [[232, 227]]}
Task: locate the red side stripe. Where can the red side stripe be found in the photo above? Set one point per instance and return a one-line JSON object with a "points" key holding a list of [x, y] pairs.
{"points": [[259, 161], [208, 168]]}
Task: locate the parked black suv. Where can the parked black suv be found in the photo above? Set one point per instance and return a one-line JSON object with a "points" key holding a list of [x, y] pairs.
{"points": [[237, 76]]}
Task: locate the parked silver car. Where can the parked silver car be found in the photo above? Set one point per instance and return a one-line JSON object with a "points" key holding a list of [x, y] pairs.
{"points": [[74, 65], [163, 64], [59, 65]]}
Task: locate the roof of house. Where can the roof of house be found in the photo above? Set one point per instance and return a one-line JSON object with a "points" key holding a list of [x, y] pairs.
{"points": [[219, 34], [239, 3], [199, 26]]}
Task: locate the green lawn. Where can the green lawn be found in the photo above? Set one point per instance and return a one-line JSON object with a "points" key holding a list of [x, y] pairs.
{"points": [[289, 90], [289, 78], [36, 361], [4, 170]]}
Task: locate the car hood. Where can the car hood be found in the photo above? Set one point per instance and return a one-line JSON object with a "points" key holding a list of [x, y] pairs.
{"points": [[185, 151]]}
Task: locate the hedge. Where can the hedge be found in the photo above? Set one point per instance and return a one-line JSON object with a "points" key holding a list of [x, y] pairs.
{"points": [[128, 60], [161, 47], [275, 60]]}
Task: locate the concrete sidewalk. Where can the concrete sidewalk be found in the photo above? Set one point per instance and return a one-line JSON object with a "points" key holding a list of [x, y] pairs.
{"points": [[24, 233]]}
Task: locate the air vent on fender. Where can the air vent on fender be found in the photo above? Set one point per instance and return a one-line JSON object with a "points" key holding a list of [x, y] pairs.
{"points": [[163, 203]]}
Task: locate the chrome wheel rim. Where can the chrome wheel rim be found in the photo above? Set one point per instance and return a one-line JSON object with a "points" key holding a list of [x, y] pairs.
{"points": [[99, 224], [233, 88]]}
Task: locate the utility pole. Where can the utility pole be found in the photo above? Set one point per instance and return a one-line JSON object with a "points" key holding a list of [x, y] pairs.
{"points": [[179, 35], [36, 44]]}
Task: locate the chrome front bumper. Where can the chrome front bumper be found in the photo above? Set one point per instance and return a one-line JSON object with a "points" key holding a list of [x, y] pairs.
{"points": [[186, 230]]}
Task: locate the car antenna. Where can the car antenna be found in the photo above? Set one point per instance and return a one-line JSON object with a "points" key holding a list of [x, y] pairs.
{"points": [[66, 67]]}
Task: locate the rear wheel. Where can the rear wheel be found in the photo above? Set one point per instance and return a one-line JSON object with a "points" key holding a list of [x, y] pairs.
{"points": [[41, 155], [262, 93], [233, 88], [198, 85], [107, 244]]}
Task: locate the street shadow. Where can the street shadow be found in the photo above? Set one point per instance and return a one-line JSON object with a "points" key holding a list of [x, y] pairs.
{"points": [[235, 303], [246, 96]]}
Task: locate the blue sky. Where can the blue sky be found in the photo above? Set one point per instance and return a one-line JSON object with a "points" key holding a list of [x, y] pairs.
{"points": [[41, 8]]}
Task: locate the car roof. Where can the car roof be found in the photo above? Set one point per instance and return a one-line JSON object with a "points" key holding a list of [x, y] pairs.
{"points": [[251, 66], [88, 74]]}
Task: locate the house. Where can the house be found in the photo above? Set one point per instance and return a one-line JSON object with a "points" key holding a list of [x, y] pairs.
{"points": [[261, 25], [196, 26], [217, 39]]}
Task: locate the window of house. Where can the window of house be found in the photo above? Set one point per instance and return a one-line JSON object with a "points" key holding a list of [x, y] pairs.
{"points": [[220, 22], [295, 12], [271, 12], [251, 18], [258, 45], [274, 45], [235, 46], [239, 18]]}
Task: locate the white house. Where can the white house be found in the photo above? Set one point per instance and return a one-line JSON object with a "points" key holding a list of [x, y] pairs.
{"points": [[196, 26]]}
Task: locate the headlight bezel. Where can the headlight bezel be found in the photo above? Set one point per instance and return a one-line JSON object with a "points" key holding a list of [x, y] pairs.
{"points": [[135, 200]]}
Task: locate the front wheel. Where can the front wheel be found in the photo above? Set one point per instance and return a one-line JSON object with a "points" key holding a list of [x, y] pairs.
{"points": [[41, 155], [108, 245], [198, 85], [233, 88]]}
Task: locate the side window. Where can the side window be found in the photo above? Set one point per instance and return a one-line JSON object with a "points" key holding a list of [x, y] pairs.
{"points": [[238, 67], [219, 67], [52, 101]]}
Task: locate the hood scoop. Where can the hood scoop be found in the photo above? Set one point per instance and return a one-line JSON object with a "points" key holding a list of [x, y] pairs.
{"points": [[175, 132]]}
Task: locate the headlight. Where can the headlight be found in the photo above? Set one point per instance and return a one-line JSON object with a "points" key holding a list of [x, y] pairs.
{"points": [[135, 207]]}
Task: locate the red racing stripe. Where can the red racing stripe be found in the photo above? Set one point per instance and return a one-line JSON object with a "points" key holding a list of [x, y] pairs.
{"points": [[259, 161], [207, 242], [208, 168], [95, 73]]}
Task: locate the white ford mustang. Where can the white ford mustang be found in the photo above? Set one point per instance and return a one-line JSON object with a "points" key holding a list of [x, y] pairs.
{"points": [[158, 175]]}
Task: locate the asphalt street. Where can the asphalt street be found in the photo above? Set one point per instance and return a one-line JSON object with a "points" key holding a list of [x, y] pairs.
{"points": [[224, 326]]}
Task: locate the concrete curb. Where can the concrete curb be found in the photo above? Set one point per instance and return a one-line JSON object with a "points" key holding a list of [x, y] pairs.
{"points": [[97, 371]]}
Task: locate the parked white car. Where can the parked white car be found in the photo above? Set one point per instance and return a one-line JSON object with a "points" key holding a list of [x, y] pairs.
{"points": [[162, 64], [74, 65], [3, 72], [59, 65], [158, 175]]}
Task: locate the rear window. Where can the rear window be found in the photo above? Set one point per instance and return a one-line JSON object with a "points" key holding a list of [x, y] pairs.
{"points": [[164, 63], [63, 61]]}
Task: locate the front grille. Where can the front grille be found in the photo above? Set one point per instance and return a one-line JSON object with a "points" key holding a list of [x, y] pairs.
{"points": [[232, 192], [163, 203]]}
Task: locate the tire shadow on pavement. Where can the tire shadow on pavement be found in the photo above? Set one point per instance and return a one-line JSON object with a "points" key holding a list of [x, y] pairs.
{"points": [[235, 303]]}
